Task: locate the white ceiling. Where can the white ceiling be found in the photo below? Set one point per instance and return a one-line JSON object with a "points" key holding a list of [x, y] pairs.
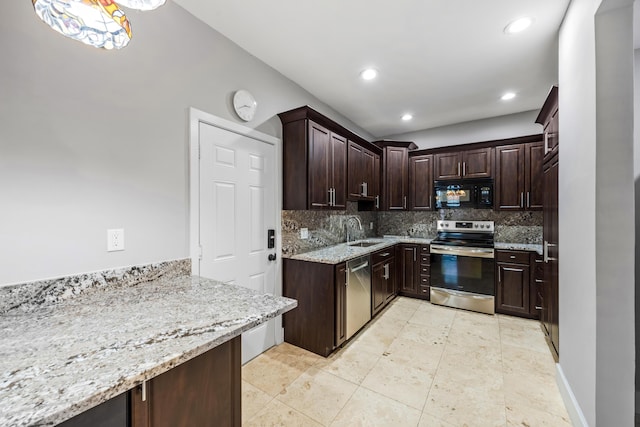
{"points": [[444, 61]]}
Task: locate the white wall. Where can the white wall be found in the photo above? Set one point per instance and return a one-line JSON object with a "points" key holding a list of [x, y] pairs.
{"points": [[636, 173], [93, 139], [596, 179], [502, 127]]}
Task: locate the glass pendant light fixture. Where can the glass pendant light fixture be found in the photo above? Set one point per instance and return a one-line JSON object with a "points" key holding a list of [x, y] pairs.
{"points": [[99, 23], [141, 4]]}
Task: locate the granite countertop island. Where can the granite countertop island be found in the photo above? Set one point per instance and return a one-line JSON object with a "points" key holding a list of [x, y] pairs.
{"points": [[57, 361]]}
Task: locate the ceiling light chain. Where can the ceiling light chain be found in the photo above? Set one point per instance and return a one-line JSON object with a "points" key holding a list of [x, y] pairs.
{"points": [[99, 23]]}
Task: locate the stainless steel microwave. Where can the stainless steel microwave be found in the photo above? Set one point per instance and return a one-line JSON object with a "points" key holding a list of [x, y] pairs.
{"points": [[464, 193]]}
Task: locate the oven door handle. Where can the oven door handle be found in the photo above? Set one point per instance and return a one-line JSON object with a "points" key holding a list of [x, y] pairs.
{"points": [[462, 251]]}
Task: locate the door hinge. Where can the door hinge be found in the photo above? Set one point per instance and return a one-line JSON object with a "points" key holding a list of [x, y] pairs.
{"points": [[200, 252]]}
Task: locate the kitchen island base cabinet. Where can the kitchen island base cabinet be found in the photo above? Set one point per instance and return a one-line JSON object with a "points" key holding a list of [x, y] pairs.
{"points": [[204, 391], [112, 413], [318, 323]]}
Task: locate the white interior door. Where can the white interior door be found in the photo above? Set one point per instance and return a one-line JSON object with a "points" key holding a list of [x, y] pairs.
{"points": [[237, 208]]}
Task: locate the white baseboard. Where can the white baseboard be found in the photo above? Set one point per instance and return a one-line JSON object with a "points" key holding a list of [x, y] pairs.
{"points": [[570, 402]]}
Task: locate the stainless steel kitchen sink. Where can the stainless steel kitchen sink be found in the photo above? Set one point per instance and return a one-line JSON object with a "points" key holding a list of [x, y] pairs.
{"points": [[363, 244]]}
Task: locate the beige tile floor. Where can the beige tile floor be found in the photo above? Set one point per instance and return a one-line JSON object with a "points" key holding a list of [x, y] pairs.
{"points": [[415, 364]]}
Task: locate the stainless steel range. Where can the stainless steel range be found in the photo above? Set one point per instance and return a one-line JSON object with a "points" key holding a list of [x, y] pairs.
{"points": [[462, 265]]}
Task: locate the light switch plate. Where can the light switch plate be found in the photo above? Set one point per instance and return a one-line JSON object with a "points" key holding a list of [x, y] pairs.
{"points": [[304, 233], [115, 240]]}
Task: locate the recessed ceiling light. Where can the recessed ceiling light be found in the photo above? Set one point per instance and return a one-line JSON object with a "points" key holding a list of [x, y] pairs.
{"points": [[407, 117], [507, 96], [369, 74], [518, 25]]}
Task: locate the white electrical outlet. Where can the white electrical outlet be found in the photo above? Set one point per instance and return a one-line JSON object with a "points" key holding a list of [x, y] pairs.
{"points": [[115, 240], [304, 233]]}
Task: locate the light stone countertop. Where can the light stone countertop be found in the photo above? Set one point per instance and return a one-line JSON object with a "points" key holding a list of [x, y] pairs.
{"points": [[520, 247], [344, 252], [58, 361]]}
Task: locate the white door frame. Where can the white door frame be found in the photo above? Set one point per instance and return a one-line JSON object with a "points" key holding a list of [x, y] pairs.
{"points": [[195, 118]]}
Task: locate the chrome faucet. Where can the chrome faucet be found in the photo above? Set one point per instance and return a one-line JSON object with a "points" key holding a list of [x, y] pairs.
{"points": [[347, 225]]}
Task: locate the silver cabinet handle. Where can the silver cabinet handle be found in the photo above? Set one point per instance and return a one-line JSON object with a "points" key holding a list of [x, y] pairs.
{"points": [[378, 202], [528, 199], [459, 169], [522, 200], [385, 254], [545, 251], [538, 307], [329, 197], [499, 277], [546, 142], [386, 272], [365, 189], [405, 202], [414, 254], [144, 390], [464, 168]]}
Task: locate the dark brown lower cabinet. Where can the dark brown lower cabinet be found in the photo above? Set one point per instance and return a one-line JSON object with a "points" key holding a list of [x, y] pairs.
{"points": [[383, 278], [424, 287], [537, 291], [204, 391], [112, 413], [413, 274], [341, 304], [517, 292], [317, 323]]}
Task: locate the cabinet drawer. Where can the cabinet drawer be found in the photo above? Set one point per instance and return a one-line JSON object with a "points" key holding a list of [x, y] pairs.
{"points": [[382, 255], [424, 249], [425, 259], [518, 257], [425, 280], [425, 270]]}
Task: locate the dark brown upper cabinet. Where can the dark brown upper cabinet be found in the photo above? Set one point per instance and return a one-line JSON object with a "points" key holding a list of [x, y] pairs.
{"points": [[363, 173], [548, 118], [421, 182], [474, 163], [395, 174], [327, 169], [315, 160], [518, 182]]}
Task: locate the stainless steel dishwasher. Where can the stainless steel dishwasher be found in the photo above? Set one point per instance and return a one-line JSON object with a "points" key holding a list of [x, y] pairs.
{"points": [[358, 294]]}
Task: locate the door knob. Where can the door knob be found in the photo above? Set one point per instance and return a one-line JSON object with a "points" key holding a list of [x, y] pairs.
{"points": [[271, 257]]}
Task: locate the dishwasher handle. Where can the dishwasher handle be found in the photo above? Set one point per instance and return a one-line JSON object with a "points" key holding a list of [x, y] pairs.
{"points": [[360, 267]]}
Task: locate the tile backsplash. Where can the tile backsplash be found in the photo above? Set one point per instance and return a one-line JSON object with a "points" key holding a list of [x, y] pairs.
{"points": [[328, 228]]}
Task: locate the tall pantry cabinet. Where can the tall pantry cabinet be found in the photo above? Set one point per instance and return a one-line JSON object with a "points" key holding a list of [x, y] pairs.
{"points": [[548, 118]]}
